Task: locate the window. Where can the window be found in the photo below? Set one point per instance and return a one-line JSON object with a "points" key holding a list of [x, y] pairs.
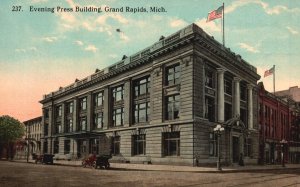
{"points": [[70, 108], [173, 75], [46, 113], [83, 104], [98, 121], [210, 108], [58, 111], [67, 147], [209, 78], [94, 146], [173, 107], [82, 124], [118, 117], [115, 149], [142, 112], [98, 99], [228, 86], [56, 146], [247, 147], [171, 143], [45, 149], [142, 86], [243, 93], [69, 125], [243, 116], [58, 127], [46, 129], [213, 144], [228, 111], [139, 144], [118, 93]]}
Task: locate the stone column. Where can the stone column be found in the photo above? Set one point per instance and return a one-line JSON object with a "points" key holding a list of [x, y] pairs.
{"points": [[220, 94], [250, 106], [63, 116], [89, 111], [237, 96], [127, 103], [106, 116], [75, 111]]}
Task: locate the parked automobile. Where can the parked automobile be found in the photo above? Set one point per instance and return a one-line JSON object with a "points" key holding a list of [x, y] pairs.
{"points": [[102, 161]]}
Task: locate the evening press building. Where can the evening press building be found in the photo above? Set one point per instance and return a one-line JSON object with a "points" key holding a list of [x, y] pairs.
{"points": [[159, 105]]}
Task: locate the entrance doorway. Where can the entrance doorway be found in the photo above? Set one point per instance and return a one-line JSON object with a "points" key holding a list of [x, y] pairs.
{"points": [[235, 149]]}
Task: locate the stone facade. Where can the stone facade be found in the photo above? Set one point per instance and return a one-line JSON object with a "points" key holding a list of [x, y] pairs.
{"points": [[34, 134], [159, 105]]}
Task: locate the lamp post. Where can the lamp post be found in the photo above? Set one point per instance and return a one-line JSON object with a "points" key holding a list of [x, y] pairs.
{"points": [[218, 130], [282, 142]]}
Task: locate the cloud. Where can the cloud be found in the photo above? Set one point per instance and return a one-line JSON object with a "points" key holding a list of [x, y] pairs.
{"points": [[177, 23], [91, 48], [248, 48], [50, 39], [24, 50], [293, 31], [78, 42], [209, 27], [278, 9]]}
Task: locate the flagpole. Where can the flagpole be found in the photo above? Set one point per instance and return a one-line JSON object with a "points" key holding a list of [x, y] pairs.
{"points": [[223, 24], [274, 79]]}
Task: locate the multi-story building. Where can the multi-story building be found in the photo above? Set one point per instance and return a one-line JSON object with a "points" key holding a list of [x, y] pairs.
{"points": [[160, 105], [34, 134], [279, 128]]}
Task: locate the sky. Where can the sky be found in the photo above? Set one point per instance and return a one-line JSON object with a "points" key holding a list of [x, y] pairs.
{"points": [[41, 51]]}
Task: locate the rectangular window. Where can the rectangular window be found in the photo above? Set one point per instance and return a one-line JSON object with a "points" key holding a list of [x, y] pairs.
{"points": [[173, 75], [58, 111], [247, 147], [46, 113], [46, 129], [243, 116], [243, 93], [115, 149], [98, 99], [67, 146], [172, 107], [45, 150], [58, 127], [56, 146], [228, 111], [228, 86], [98, 121], [139, 144], [142, 112], [83, 103], [142, 87], [94, 146], [118, 93], [70, 108], [213, 144], [171, 143], [82, 124], [210, 109], [118, 115], [69, 125], [209, 78]]}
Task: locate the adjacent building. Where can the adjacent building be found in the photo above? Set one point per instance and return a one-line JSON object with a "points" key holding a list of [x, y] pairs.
{"points": [[279, 128], [160, 105], [33, 135]]}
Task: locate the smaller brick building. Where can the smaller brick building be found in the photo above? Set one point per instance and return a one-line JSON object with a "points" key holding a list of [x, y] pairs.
{"points": [[278, 120]]}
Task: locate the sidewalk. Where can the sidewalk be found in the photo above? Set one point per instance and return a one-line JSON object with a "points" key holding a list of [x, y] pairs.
{"points": [[153, 167]]}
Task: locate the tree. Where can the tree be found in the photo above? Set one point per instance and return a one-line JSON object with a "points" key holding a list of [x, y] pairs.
{"points": [[11, 130]]}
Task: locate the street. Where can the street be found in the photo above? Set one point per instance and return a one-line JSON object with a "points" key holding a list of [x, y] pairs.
{"points": [[24, 174]]}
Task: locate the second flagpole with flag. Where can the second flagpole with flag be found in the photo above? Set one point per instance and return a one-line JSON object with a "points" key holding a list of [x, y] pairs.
{"points": [[270, 72]]}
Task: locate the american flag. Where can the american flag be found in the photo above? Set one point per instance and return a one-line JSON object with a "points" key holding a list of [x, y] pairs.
{"points": [[269, 72], [215, 14]]}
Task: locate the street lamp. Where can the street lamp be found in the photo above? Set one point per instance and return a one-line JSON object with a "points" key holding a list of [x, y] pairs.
{"points": [[218, 130], [283, 142]]}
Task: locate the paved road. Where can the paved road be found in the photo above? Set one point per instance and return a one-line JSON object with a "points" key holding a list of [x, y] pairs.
{"points": [[23, 174]]}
